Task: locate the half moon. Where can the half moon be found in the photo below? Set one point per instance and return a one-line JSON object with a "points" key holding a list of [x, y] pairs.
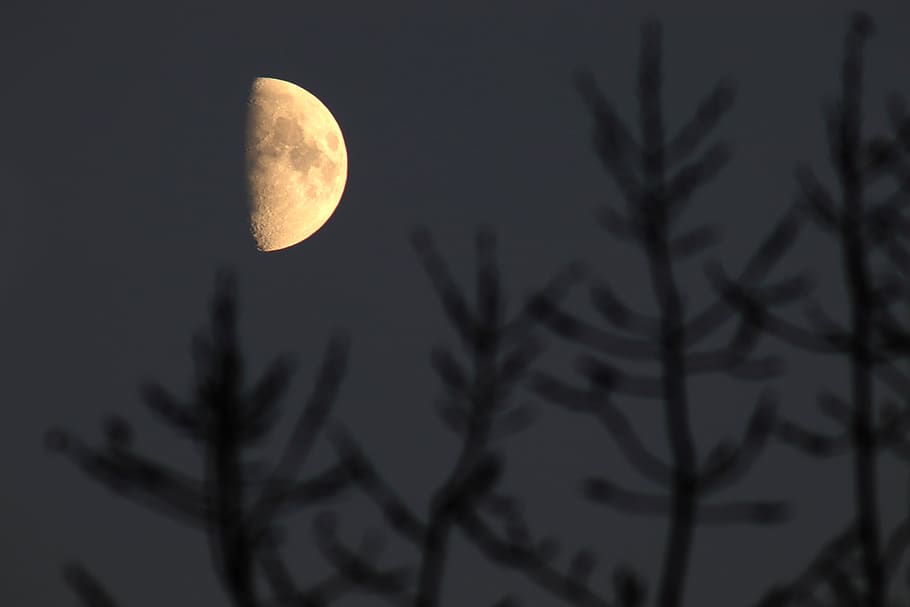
{"points": [[296, 163]]}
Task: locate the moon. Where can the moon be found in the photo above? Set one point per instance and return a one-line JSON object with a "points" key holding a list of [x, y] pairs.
{"points": [[296, 163]]}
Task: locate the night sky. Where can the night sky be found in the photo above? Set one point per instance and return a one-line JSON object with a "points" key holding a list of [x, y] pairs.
{"points": [[123, 193]]}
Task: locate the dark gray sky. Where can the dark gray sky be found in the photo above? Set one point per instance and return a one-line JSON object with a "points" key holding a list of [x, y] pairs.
{"points": [[122, 184]]}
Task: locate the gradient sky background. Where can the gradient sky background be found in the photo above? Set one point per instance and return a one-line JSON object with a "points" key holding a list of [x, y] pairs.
{"points": [[121, 173]]}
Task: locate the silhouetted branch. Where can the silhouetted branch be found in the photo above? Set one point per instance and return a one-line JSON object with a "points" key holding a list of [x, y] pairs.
{"points": [[264, 395], [612, 380], [893, 430], [525, 322], [614, 311], [395, 510], [304, 434], [694, 242], [325, 390], [319, 594], [767, 512], [750, 307], [728, 463], [391, 584], [615, 145], [570, 327], [179, 416], [89, 590], [817, 202], [898, 382], [811, 442], [628, 586], [615, 422], [681, 186], [284, 590], [895, 548], [302, 494], [606, 492], [707, 116], [132, 476], [822, 567], [529, 562], [455, 306], [844, 589], [728, 357]]}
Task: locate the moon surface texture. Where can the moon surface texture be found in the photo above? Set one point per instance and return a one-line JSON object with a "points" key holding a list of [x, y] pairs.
{"points": [[297, 163]]}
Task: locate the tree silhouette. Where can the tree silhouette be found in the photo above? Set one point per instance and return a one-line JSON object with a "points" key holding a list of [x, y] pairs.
{"points": [[656, 193], [478, 407], [240, 513], [497, 354], [869, 340]]}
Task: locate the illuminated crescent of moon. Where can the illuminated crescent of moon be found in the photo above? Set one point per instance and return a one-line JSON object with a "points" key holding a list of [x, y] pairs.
{"points": [[296, 161]]}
